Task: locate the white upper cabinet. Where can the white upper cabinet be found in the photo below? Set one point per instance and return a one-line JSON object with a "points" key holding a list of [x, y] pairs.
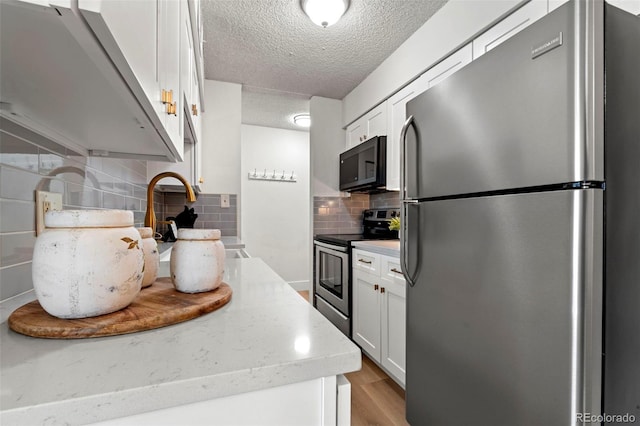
{"points": [[189, 97], [373, 123], [61, 83], [509, 26], [99, 77], [396, 108], [631, 6], [197, 30], [142, 39]]}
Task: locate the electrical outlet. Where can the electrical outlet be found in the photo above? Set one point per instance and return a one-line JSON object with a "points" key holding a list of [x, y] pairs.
{"points": [[46, 201], [224, 201]]}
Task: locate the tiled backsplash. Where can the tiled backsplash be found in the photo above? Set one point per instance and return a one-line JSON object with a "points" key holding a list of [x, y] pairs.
{"points": [[343, 215], [210, 214], [86, 183], [339, 215], [383, 200]]}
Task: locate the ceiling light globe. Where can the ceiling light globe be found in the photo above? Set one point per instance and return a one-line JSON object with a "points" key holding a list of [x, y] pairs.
{"points": [[302, 120], [324, 12]]}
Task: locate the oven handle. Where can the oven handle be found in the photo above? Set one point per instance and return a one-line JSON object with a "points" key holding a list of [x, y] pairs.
{"points": [[331, 246]]}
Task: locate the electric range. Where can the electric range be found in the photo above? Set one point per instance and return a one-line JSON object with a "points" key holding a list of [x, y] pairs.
{"points": [[332, 266]]}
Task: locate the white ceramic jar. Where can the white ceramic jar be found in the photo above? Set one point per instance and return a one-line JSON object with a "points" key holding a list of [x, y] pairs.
{"points": [[151, 256], [197, 260], [87, 262]]}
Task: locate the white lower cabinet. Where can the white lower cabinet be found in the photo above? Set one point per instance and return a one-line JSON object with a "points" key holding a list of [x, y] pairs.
{"points": [[379, 312], [323, 402]]}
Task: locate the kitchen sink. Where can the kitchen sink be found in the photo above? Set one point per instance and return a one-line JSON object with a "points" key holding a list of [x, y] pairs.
{"points": [[229, 254]]}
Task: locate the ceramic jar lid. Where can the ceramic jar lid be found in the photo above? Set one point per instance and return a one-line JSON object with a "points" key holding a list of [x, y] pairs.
{"points": [[145, 232], [88, 219], [198, 234]]}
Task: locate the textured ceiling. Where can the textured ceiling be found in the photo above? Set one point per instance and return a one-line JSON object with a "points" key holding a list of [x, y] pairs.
{"points": [[268, 108], [272, 44]]}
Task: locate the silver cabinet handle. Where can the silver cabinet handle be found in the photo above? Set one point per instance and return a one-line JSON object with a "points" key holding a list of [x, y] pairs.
{"points": [[368, 262]]}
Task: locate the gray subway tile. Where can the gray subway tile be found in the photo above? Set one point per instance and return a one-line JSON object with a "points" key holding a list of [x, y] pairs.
{"points": [[17, 216], [18, 184], [208, 217], [82, 196], [15, 280], [17, 153], [132, 203], [113, 201], [16, 248], [228, 217]]}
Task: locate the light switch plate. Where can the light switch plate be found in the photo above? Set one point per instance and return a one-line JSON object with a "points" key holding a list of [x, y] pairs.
{"points": [[224, 201], [46, 201]]}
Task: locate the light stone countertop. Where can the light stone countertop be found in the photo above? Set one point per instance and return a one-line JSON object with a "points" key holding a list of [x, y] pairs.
{"points": [[386, 247], [257, 341]]}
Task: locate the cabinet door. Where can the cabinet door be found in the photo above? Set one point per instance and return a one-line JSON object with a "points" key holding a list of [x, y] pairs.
{"points": [[169, 60], [355, 133], [373, 123], [142, 39], [134, 28], [396, 115], [631, 6], [376, 121], [509, 26], [366, 312], [186, 55], [393, 321]]}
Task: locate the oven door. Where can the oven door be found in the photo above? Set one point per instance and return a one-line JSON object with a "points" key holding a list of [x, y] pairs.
{"points": [[332, 275]]}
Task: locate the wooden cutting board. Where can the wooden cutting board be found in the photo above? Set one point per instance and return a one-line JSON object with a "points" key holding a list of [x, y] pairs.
{"points": [[156, 306]]}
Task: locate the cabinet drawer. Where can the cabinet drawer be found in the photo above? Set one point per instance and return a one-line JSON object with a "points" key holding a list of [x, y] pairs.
{"points": [[366, 261], [390, 267]]}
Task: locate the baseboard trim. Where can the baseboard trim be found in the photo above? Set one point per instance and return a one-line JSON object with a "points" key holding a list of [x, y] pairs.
{"points": [[300, 285]]}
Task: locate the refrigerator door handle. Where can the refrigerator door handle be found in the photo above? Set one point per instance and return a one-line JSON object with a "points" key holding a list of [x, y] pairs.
{"points": [[403, 241], [403, 187], [403, 157]]}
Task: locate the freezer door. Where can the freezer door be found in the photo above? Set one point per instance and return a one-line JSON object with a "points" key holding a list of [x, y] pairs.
{"points": [[522, 115], [504, 319]]}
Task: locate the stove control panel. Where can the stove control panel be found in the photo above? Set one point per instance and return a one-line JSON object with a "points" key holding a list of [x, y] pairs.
{"points": [[380, 214]]}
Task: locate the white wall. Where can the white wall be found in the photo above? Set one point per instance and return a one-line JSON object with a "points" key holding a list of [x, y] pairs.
{"points": [[221, 137], [327, 140], [275, 215], [450, 28]]}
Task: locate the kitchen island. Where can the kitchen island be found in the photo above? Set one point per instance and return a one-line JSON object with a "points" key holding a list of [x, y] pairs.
{"points": [[266, 344]]}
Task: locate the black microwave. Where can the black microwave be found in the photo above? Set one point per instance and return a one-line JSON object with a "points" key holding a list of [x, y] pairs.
{"points": [[363, 168]]}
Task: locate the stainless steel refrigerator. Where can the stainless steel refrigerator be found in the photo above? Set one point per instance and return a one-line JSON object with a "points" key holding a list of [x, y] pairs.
{"points": [[521, 229]]}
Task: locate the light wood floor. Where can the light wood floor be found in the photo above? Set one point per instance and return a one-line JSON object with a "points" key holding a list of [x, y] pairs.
{"points": [[376, 400]]}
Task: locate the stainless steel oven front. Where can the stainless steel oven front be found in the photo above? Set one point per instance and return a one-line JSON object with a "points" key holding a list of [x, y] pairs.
{"points": [[331, 282]]}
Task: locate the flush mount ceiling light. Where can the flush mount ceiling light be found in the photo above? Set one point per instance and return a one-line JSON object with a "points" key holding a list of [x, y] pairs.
{"points": [[302, 120], [324, 12]]}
